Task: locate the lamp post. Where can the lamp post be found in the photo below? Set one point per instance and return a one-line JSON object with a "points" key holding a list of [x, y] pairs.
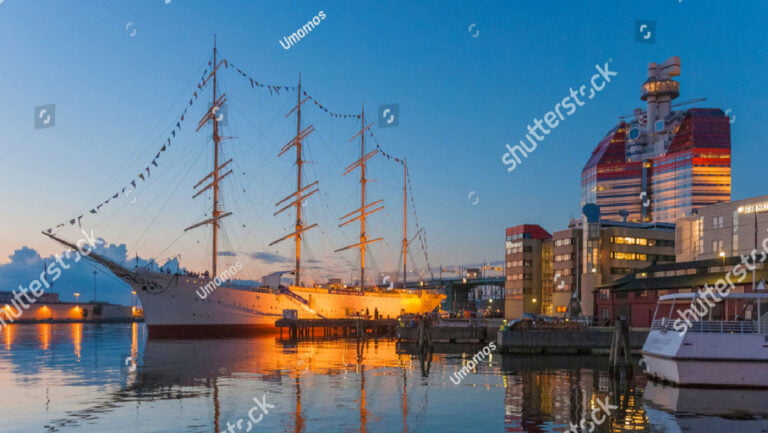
{"points": [[94, 286], [77, 295]]}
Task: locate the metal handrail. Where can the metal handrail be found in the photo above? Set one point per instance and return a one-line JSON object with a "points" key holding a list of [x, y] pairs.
{"points": [[717, 326]]}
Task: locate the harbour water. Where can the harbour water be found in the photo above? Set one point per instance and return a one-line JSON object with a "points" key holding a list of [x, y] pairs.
{"points": [[111, 378]]}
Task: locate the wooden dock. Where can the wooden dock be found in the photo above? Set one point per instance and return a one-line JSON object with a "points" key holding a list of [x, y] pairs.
{"points": [[330, 328]]}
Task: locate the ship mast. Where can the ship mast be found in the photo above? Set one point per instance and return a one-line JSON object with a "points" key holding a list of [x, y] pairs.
{"points": [[405, 220], [216, 213], [363, 210], [300, 188]]}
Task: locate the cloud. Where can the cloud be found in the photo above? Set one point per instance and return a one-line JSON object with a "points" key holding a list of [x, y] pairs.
{"points": [[26, 265], [267, 257], [227, 253]]}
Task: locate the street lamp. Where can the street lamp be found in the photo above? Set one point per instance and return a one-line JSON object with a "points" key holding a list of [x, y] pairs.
{"points": [[77, 295], [722, 255]]}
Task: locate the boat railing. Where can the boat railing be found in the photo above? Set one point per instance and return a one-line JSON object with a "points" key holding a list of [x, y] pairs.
{"points": [[715, 326]]}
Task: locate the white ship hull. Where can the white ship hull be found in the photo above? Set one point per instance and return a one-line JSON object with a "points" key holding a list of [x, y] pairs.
{"points": [[707, 359], [173, 305]]}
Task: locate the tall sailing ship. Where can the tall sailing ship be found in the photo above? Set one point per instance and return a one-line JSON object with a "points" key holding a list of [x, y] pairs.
{"points": [[173, 304]]}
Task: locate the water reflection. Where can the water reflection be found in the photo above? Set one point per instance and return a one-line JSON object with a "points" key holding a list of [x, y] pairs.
{"points": [[706, 410], [73, 377]]}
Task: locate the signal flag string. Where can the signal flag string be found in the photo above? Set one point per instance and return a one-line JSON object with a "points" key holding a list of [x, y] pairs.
{"points": [[144, 174]]}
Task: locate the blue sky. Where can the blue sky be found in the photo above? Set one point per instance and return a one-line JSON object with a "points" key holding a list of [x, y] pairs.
{"points": [[461, 99]]}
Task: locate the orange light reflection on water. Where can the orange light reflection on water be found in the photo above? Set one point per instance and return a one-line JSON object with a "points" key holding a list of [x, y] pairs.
{"points": [[77, 338], [45, 335]]}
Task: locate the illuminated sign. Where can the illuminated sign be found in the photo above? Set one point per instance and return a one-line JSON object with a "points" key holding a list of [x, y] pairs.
{"points": [[755, 208]]}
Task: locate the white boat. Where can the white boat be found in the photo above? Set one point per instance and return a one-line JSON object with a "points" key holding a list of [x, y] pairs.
{"points": [[188, 304], [726, 347]]}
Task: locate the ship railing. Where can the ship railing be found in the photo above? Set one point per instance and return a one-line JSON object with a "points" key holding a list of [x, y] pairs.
{"points": [[724, 327], [714, 326]]}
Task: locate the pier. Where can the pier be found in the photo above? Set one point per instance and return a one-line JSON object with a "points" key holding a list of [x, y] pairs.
{"points": [[566, 341], [330, 328]]}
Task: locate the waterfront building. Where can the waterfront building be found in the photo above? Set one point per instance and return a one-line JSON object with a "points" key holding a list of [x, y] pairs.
{"points": [[48, 307], [634, 296], [566, 253], [614, 249], [543, 270], [724, 229], [528, 270], [707, 246], [660, 164]]}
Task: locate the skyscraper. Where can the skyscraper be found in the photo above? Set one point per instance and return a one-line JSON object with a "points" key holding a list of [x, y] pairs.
{"points": [[661, 164]]}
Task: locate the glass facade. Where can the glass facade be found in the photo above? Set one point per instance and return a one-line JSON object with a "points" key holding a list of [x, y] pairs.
{"points": [[668, 176]]}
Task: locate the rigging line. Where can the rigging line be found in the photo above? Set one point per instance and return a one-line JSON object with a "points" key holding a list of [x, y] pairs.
{"points": [[152, 181], [171, 244], [167, 201], [422, 234], [19, 143], [114, 178], [133, 157]]}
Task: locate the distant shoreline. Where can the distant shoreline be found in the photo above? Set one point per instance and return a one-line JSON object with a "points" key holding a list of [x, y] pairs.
{"points": [[114, 320]]}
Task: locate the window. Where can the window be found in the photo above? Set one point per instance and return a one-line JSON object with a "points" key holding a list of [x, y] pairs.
{"points": [[561, 309], [621, 255], [717, 246], [605, 294], [717, 222], [606, 313]]}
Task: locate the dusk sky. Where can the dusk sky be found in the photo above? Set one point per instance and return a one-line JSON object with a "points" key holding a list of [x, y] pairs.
{"points": [[121, 73]]}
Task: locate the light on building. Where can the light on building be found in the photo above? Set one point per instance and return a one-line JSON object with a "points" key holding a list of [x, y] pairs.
{"points": [[594, 270], [534, 300]]}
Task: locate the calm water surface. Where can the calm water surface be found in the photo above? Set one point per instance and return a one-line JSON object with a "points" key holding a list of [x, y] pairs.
{"points": [[110, 378]]}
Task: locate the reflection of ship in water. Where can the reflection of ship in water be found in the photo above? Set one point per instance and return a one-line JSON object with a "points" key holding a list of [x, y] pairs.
{"points": [[675, 410], [224, 373]]}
